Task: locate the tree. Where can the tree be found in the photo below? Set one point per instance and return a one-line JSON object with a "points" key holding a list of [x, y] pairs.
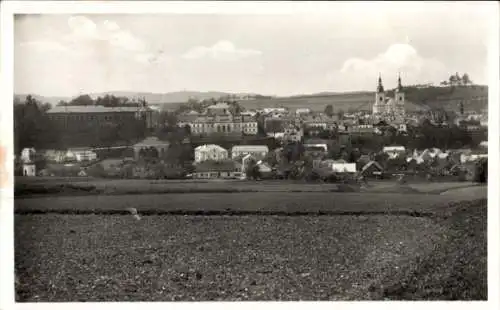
{"points": [[329, 110], [466, 79], [340, 114], [32, 127], [82, 100], [252, 170], [458, 78]]}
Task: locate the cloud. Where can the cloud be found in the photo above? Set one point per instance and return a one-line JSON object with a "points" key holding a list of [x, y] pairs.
{"points": [[87, 32], [222, 50], [45, 46], [398, 57]]}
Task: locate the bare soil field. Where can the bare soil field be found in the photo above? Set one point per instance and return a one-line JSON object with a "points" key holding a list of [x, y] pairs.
{"points": [[164, 258]]}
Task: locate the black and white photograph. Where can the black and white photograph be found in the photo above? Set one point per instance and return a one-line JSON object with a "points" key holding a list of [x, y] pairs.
{"points": [[336, 152]]}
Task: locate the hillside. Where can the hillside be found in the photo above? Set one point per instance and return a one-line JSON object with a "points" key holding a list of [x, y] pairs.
{"points": [[418, 99], [153, 98]]}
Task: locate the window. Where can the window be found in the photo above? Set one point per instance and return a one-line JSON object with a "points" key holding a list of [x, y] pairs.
{"points": [[381, 98], [400, 98]]}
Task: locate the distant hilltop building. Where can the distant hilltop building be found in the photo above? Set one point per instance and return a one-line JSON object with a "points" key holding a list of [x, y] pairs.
{"points": [[386, 108]]}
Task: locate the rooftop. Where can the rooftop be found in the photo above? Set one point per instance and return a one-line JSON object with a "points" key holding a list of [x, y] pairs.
{"points": [[207, 147], [220, 105], [92, 109], [151, 141], [250, 148]]}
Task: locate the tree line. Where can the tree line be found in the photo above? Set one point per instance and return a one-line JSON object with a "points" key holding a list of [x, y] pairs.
{"points": [[106, 101]]}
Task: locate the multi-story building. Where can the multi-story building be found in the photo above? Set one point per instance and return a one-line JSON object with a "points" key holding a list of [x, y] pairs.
{"points": [[319, 122], [293, 133], [258, 151], [76, 117], [220, 108], [389, 109], [224, 124], [210, 152], [302, 111]]}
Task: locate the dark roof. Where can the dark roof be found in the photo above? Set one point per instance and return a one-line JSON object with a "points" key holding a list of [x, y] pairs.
{"points": [[92, 109]]}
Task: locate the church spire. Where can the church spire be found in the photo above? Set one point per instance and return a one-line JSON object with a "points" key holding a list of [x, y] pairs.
{"points": [[400, 87], [380, 87]]}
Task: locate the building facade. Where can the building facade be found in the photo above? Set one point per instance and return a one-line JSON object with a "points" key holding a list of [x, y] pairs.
{"points": [[389, 109], [210, 152], [258, 151], [224, 124], [75, 117]]}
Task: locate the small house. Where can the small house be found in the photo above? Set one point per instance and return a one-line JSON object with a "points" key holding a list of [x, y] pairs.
{"points": [[28, 155], [81, 154], [29, 170], [216, 170], [258, 151], [394, 151], [372, 169], [344, 167]]}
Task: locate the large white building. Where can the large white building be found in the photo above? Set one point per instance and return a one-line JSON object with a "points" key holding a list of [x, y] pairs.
{"points": [[389, 109], [224, 124], [258, 151], [210, 152]]}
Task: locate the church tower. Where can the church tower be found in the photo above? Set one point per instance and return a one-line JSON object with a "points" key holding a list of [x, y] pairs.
{"points": [[379, 105], [399, 98]]}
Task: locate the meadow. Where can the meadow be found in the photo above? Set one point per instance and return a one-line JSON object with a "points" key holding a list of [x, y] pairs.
{"points": [[36, 187]]}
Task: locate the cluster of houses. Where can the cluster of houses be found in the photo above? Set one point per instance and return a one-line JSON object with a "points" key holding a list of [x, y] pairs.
{"points": [[213, 161]]}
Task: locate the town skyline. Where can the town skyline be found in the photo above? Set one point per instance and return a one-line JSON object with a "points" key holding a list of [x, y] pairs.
{"points": [[279, 55]]}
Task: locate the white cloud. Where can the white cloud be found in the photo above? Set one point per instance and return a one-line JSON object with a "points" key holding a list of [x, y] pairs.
{"points": [[402, 58], [222, 50], [84, 31], [82, 27], [45, 46]]}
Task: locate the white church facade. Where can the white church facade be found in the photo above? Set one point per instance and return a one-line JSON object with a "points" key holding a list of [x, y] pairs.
{"points": [[391, 110]]}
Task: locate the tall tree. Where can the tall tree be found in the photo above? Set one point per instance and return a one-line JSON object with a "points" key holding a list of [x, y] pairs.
{"points": [[466, 79], [82, 100], [329, 110], [32, 127]]}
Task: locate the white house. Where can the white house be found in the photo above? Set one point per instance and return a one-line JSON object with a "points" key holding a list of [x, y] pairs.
{"points": [[472, 157], [210, 152], [29, 170], [318, 145], [255, 150], [55, 156], [81, 154], [344, 167], [394, 151], [300, 111], [28, 155]]}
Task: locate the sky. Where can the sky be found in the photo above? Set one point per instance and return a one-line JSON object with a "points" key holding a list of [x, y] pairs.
{"points": [[343, 49]]}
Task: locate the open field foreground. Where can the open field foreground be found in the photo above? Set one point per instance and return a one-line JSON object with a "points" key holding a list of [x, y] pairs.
{"points": [[246, 203], [37, 187], [163, 258]]}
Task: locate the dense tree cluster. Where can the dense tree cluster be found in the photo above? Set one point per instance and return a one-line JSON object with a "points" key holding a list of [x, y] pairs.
{"points": [[107, 101], [32, 127]]}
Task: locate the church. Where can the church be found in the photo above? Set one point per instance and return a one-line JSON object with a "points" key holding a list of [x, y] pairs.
{"points": [[389, 109]]}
